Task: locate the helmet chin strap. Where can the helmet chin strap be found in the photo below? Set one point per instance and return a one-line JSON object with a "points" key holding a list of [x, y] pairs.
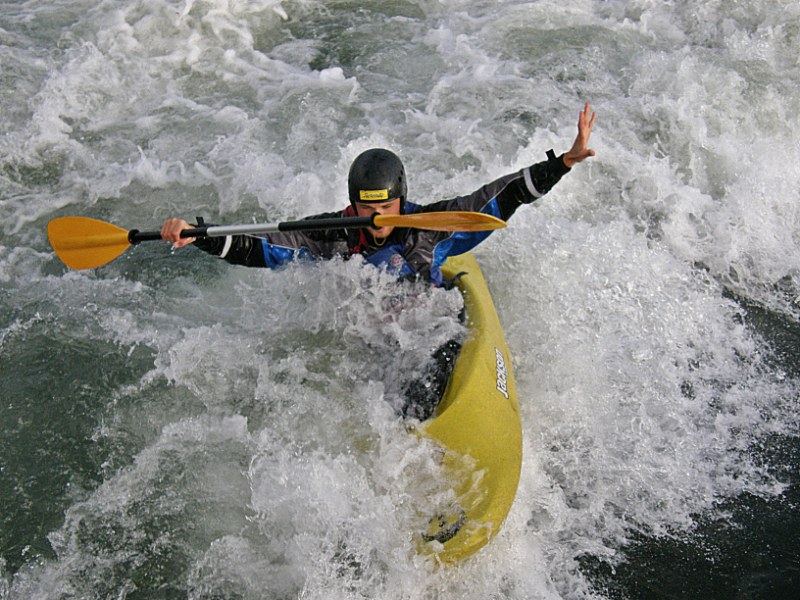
{"points": [[376, 240]]}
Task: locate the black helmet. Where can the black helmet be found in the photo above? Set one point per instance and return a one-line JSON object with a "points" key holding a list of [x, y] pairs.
{"points": [[377, 175]]}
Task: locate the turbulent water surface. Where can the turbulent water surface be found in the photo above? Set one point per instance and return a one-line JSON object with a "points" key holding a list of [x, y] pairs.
{"points": [[174, 427]]}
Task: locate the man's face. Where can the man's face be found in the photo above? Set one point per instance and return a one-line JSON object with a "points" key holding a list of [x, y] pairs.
{"points": [[390, 207]]}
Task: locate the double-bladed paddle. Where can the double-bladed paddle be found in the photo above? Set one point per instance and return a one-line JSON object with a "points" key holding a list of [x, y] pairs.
{"points": [[85, 243]]}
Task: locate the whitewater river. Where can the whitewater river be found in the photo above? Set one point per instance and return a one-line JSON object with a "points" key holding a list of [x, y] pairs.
{"points": [[175, 427]]}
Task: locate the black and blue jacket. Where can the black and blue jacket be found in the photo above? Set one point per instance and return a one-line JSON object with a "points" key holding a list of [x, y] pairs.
{"points": [[407, 252]]}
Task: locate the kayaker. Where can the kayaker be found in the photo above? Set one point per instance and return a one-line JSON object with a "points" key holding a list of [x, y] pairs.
{"points": [[377, 184]]}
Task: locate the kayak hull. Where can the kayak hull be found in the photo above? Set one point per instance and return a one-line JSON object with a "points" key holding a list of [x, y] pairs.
{"points": [[478, 425]]}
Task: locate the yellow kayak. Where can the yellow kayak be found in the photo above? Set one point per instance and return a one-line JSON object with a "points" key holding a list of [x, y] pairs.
{"points": [[478, 424]]}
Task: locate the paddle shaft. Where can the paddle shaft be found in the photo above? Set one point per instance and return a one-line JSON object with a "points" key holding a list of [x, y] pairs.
{"points": [[135, 236]]}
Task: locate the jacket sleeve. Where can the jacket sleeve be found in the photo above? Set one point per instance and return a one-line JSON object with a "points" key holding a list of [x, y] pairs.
{"points": [[276, 249], [235, 249], [502, 197]]}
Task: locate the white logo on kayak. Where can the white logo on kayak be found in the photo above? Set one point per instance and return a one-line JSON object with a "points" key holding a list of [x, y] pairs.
{"points": [[502, 373]]}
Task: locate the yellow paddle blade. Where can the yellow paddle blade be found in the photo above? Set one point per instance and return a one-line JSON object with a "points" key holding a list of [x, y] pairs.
{"points": [[84, 243], [442, 221]]}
